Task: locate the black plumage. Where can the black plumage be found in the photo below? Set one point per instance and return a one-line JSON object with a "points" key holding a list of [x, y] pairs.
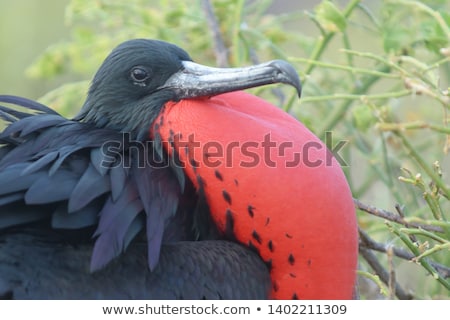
{"points": [[33, 268], [93, 208], [52, 198], [61, 165]]}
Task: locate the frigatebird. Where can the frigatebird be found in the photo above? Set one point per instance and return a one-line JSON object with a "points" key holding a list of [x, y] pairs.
{"points": [[171, 183]]}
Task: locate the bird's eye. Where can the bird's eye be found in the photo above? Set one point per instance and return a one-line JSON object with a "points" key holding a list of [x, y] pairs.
{"points": [[139, 74]]}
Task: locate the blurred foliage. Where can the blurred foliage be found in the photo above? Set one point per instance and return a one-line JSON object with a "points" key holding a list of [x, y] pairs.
{"points": [[375, 74], [27, 27]]}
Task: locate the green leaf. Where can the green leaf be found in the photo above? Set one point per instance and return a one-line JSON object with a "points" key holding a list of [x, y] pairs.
{"points": [[363, 117], [330, 17], [418, 28]]}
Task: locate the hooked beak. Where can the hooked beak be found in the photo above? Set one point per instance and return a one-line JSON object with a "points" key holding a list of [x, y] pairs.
{"points": [[196, 80]]}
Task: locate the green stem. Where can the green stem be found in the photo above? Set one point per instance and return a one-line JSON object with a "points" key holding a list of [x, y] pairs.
{"points": [[424, 233], [424, 262], [346, 68], [336, 116], [321, 45], [436, 15], [388, 169], [433, 203], [387, 126], [351, 97], [415, 219], [236, 31], [433, 175], [261, 38], [351, 66], [436, 248], [377, 58], [376, 279], [369, 14]]}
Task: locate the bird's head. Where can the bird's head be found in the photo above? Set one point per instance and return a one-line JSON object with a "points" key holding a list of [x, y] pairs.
{"points": [[140, 76]]}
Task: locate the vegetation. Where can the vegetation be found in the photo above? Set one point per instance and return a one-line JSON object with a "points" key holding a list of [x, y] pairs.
{"points": [[375, 74]]}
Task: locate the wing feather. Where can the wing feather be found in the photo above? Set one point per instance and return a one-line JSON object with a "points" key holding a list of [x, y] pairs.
{"points": [[75, 175]]}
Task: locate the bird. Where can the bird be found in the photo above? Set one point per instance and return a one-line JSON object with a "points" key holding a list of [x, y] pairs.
{"points": [[172, 182]]}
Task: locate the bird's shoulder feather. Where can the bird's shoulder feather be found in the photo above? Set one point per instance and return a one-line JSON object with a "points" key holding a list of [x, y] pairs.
{"points": [[76, 175]]}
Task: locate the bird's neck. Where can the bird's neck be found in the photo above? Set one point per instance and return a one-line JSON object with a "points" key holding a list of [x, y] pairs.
{"points": [[134, 119]]}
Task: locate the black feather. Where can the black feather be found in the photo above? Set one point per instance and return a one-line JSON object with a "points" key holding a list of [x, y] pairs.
{"points": [[12, 197], [12, 179], [187, 270], [111, 240], [27, 103], [15, 214], [118, 177], [90, 186], [99, 162], [38, 122], [62, 219], [51, 188], [77, 175], [6, 116], [40, 163]]}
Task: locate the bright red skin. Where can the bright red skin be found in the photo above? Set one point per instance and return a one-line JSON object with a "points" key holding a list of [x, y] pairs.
{"points": [[306, 211]]}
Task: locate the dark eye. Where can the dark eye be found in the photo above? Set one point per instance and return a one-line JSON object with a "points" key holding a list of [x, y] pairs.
{"points": [[139, 74]]}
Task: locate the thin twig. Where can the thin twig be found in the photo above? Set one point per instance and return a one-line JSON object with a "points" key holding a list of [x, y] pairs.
{"points": [[220, 49], [400, 212], [372, 260], [393, 217], [392, 277], [369, 243], [423, 164], [346, 68]]}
